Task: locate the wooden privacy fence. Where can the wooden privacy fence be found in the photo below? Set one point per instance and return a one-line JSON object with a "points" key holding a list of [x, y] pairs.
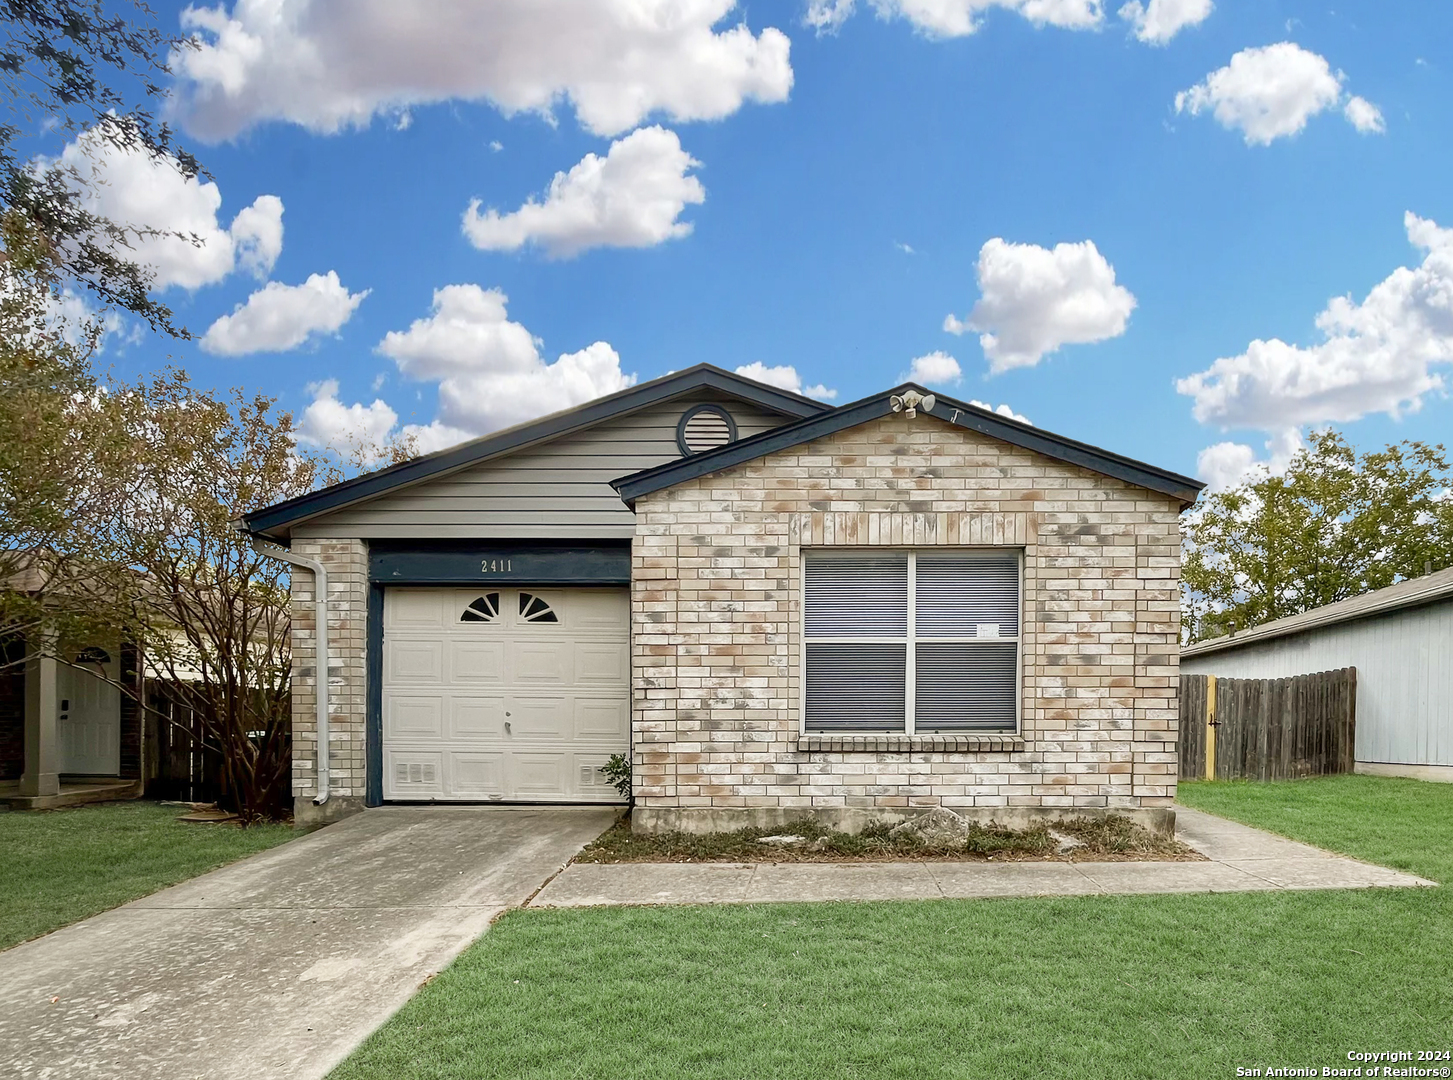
{"points": [[1267, 729], [180, 765]]}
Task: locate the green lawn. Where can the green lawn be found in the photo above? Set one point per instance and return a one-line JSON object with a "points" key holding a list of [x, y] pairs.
{"points": [[59, 866], [1089, 987]]}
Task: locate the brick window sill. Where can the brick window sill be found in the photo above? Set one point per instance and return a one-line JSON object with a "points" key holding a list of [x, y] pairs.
{"points": [[950, 744]]}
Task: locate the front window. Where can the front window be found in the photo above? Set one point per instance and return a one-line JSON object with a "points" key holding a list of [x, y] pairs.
{"points": [[912, 642]]}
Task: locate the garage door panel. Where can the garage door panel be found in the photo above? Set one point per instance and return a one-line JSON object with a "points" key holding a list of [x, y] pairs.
{"points": [[602, 718], [477, 719], [600, 612], [590, 778], [418, 609], [476, 775], [602, 662], [542, 775], [413, 774], [407, 718], [477, 662], [539, 718], [542, 662], [414, 661]]}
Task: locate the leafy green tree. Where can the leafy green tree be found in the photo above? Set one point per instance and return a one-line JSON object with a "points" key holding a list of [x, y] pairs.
{"points": [[1333, 526], [69, 65]]}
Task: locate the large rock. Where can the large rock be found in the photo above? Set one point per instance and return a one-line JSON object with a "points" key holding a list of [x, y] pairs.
{"points": [[939, 826]]}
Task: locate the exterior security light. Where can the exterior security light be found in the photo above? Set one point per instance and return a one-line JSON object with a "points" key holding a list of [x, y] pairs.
{"points": [[910, 402]]}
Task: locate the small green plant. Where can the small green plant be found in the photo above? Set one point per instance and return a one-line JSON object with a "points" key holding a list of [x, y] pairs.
{"points": [[618, 771]]}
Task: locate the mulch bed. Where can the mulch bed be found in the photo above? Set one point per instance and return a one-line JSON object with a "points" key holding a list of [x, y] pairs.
{"points": [[1109, 839]]}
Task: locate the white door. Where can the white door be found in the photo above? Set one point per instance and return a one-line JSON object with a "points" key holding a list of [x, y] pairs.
{"points": [[88, 726], [504, 694]]}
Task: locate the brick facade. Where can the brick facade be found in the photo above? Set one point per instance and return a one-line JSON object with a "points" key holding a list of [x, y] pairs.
{"points": [[347, 564], [716, 593]]}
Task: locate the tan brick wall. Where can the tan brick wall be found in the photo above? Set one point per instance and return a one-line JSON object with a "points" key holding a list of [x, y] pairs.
{"points": [[347, 564], [716, 568]]}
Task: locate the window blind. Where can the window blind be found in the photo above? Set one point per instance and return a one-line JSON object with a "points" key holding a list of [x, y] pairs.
{"points": [[856, 687], [960, 592], [965, 687], [856, 596]]}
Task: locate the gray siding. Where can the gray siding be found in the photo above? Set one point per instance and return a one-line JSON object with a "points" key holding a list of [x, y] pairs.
{"points": [[559, 489], [1404, 663]]}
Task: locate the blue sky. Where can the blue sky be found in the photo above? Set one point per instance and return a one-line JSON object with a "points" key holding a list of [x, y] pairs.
{"points": [[849, 185]]}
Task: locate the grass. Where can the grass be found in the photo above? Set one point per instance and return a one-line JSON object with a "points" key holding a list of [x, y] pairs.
{"points": [[1111, 837], [1405, 824], [1130, 986], [60, 866]]}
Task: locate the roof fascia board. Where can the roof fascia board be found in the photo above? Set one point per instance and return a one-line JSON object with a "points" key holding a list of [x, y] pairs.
{"points": [[1271, 631], [362, 488], [963, 415]]}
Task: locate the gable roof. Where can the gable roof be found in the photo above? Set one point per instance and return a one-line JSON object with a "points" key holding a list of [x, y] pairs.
{"points": [[1414, 592], [951, 411], [272, 519]]}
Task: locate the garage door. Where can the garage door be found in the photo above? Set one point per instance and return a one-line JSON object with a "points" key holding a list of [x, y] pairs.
{"points": [[504, 694]]}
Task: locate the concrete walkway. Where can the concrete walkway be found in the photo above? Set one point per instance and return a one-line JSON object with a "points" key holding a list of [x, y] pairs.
{"points": [[279, 965], [1241, 859]]}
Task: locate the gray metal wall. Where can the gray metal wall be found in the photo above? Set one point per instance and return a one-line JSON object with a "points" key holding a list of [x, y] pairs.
{"points": [[556, 489], [1404, 663]]}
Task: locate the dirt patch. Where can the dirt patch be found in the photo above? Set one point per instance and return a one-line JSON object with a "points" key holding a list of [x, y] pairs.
{"points": [[1111, 838]]}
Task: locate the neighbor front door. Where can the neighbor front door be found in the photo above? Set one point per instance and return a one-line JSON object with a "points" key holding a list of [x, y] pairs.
{"points": [[88, 727]]}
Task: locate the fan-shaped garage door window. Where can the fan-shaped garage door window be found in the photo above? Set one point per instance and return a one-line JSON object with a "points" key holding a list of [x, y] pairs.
{"points": [[534, 609], [705, 428], [482, 609]]}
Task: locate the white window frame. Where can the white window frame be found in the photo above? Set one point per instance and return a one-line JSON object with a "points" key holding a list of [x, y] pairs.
{"points": [[910, 641]]}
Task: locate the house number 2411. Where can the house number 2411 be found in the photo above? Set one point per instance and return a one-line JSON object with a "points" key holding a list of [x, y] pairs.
{"points": [[495, 566]]}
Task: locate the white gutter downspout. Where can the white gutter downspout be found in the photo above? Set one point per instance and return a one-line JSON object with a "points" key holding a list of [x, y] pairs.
{"points": [[320, 618]]}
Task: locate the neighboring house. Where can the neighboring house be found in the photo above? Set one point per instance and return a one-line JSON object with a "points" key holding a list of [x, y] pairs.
{"points": [[67, 733], [775, 606], [1400, 640]]}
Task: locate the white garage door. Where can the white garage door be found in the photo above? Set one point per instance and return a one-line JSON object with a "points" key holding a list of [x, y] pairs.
{"points": [[504, 693]]}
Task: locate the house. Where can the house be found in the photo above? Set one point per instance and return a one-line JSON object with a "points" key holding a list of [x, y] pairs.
{"points": [[1400, 640], [775, 606], [67, 733], [72, 726]]}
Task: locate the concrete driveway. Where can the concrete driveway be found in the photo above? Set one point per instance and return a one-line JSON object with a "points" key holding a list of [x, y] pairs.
{"points": [[279, 965]]}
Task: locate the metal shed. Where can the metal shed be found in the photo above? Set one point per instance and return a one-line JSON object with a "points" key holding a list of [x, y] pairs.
{"points": [[1400, 640]]}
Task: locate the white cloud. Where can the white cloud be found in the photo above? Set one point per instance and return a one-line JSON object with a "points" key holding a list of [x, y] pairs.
{"points": [[132, 187], [496, 146], [784, 377], [1227, 464], [907, 249], [1272, 91], [1157, 21], [1364, 116], [1377, 356], [935, 369], [955, 18], [1002, 410], [280, 317], [826, 16], [489, 369], [1035, 300], [356, 428], [632, 197], [331, 64]]}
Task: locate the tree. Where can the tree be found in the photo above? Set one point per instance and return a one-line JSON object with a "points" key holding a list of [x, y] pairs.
{"points": [[209, 613], [1333, 526], [68, 65]]}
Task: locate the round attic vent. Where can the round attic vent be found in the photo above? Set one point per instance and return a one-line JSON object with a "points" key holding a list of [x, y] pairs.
{"points": [[705, 427]]}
